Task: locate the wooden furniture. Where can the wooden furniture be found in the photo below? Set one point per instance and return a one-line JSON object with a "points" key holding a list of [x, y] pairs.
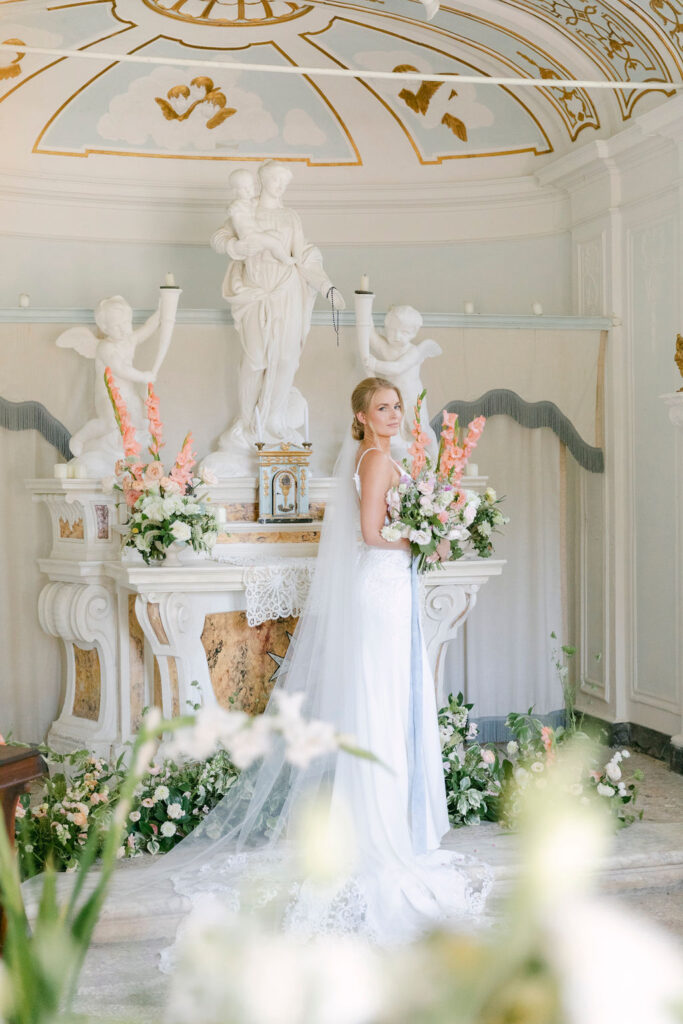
{"points": [[18, 767]]}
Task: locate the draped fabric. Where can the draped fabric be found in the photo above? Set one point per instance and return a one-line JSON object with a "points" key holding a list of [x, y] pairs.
{"points": [[501, 660]]}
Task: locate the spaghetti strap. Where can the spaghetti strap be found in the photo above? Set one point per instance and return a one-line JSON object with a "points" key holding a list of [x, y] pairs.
{"points": [[363, 456]]}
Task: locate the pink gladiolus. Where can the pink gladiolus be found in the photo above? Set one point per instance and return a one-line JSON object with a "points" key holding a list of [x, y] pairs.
{"points": [[132, 496], [155, 425], [2, 741], [126, 428], [417, 449], [547, 737], [185, 460]]}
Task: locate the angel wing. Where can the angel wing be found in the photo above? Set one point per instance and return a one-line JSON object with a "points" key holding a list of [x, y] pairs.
{"points": [[80, 338]]}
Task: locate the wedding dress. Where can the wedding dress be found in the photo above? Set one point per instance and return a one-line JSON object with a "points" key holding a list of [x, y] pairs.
{"points": [[350, 659]]}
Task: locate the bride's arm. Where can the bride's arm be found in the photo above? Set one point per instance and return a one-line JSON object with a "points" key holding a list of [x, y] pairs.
{"points": [[376, 475]]}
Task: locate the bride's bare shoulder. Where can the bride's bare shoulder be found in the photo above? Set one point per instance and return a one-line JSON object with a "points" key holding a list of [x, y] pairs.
{"points": [[371, 462]]}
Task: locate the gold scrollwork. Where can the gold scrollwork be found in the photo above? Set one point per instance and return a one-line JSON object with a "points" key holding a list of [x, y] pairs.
{"points": [[180, 94], [13, 69], [419, 102], [670, 14], [678, 356], [575, 104]]}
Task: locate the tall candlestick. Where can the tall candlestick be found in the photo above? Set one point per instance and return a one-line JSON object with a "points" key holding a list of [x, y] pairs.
{"points": [[259, 425], [364, 283], [306, 437], [60, 471], [221, 514]]}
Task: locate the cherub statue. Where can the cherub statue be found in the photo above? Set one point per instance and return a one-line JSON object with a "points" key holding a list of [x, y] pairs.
{"points": [[394, 356], [678, 357], [97, 445]]}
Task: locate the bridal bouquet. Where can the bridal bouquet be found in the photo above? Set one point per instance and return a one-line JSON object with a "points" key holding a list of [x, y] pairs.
{"points": [[163, 507], [428, 506]]}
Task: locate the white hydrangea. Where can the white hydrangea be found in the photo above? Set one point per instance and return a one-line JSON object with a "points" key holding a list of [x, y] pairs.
{"points": [[160, 793], [168, 829], [484, 529], [391, 533], [512, 748], [174, 811], [613, 771]]}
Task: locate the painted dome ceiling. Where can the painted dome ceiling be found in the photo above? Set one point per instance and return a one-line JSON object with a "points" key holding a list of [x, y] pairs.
{"points": [[140, 100]]}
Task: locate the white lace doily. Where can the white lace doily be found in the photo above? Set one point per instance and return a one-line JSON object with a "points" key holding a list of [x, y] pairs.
{"points": [[274, 589]]}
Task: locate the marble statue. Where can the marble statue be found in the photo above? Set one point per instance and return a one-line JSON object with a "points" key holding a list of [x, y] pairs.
{"points": [[97, 445], [271, 284], [394, 356]]}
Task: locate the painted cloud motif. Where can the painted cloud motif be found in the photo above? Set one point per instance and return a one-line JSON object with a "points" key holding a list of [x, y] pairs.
{"points": [[300, 129], [176, 109]]}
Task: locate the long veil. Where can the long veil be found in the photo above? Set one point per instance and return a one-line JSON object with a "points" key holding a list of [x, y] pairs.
{"points": [[251, 828]]}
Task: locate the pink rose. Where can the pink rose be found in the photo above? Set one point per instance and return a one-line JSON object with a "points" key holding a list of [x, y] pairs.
{"points": [[170, 486], [488, 757], [442, 516], [154, 472], [132, 497]]}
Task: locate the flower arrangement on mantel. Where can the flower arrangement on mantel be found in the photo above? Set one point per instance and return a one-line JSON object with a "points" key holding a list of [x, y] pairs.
{"points": [[163, 508], [441, 520]]}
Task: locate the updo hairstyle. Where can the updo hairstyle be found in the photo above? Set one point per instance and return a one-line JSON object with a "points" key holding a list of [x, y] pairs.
{"points": [[361, 398]]}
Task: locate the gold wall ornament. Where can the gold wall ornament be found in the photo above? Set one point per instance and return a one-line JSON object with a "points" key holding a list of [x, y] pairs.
{"points": [[419, 101], [283, 476], [13, 69], [176, 97], [678, 355]]}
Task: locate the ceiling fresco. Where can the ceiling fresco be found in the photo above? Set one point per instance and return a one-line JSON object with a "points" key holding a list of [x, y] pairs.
{"points": [[73, 107]]}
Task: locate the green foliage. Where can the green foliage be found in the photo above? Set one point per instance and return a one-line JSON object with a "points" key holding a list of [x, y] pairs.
{"points": [[471, 772]]}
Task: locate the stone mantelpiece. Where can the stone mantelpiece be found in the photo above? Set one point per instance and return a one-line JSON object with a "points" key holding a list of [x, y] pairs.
{"points": [[136, 635]]}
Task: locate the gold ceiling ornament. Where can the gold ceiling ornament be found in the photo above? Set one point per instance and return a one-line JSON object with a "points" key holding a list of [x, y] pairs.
{"points": [[230, 12], [678, 355], [12, 69], [609, 38], [574, 104], [670, 14], [176, 108], [419, 102]]}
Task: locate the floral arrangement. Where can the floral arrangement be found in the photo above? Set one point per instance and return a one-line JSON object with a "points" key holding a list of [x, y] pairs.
{"points": [[163, 508], [471, 772], [428, 506]]}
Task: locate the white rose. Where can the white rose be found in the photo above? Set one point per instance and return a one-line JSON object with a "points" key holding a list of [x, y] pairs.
{"points": [[210, 538], [207, 476], [181, 531], [391, 533], [174, 811], [154, 509], [160, 793], [605, 790], [134, 815], [613, 771], [490, 495], [168, 829], [512, 748], [468, 514], [422, 536], [537, 766], [171, 505]]}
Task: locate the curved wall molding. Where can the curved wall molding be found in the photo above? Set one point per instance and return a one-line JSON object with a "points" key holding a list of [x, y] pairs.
{"points": [[502, 402]]}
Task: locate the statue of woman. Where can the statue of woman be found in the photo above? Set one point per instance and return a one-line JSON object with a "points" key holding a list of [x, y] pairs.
{"points": [[271, 300]]}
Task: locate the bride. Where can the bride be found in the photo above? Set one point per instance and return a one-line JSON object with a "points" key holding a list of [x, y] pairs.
{"points": [[357, 660]]}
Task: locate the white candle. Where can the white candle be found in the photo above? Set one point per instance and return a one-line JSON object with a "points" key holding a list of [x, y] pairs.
{"points": [[537, 309], [24, 300], [469, 307], [60, 471], [221, 514], [259, 425], [306, 437], [170, 280], [80, 473], [70, 471], [364, 283], [472, 469]]}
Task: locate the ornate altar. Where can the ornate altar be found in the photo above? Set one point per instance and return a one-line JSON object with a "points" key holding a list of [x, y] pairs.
{"points": [[283, 483], [135, 635]]}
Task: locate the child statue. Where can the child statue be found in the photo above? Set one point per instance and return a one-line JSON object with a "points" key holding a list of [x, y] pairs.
{"points": [[242, 212], [394, 356], [97, 445]]}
